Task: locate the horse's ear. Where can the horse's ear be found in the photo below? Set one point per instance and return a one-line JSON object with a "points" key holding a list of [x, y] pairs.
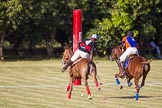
{"points": [[66, 47]]}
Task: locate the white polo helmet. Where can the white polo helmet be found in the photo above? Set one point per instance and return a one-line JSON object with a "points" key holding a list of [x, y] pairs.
{"points": [[94, 36]]}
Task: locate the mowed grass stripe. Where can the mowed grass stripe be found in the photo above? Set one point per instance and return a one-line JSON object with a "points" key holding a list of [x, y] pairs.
{"points": [[32, 96], [10, 79], [27, 78], [41, 84]]}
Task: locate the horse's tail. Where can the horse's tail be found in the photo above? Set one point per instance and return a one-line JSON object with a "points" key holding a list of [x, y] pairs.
{"points": [[146, 65], [147, 62]]}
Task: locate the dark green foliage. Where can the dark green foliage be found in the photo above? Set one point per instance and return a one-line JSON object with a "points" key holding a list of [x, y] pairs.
{"points": [[47, 23]]}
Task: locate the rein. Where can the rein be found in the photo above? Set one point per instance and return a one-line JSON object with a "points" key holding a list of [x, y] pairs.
{"points": [[67, 54], [116, 58], [70, 53]]}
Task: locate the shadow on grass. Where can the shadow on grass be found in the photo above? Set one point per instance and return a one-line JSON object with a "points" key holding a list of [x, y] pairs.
{"points": [[132, 97]]}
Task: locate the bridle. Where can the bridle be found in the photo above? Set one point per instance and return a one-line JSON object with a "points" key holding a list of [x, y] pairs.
{"points": [[116, 57], [68, 55]]}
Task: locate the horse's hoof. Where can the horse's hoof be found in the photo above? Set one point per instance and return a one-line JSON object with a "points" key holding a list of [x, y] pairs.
{"points": [[121, 87], [63, 70], [98, 88], [139, 86], [89, 97], [101, 83], [129, 84]]}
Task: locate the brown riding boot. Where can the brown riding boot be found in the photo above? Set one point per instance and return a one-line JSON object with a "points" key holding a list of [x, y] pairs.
{"points": [[67, 65], [123, 70]]}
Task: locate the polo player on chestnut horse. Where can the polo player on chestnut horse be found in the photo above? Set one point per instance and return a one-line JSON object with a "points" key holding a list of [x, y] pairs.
{"points": [[135, 67], [84, 66], [129, 62]]}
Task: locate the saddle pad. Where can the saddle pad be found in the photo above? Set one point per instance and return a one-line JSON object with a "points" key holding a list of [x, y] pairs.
{"points": [[127, 61]]}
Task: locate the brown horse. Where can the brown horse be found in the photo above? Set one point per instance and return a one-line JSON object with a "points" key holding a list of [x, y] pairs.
{"points": [[80, 70], [137, 67]]}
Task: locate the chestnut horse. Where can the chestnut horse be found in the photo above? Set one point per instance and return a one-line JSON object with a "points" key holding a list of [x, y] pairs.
{"points": [[137, 67], [80, 69]]}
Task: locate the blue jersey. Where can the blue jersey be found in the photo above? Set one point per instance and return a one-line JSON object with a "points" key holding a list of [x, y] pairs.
{"points": [[129, 41]]}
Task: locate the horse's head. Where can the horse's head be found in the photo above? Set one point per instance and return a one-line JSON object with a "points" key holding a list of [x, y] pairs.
{"points": [[67, 54], [115, 53]]}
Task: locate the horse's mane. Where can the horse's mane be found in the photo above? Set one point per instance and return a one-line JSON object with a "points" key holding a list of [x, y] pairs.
{"points": [[69, 50], [118, 51]]}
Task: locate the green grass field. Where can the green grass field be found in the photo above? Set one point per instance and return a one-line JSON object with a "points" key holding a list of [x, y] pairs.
{"points": [[41, 84]]}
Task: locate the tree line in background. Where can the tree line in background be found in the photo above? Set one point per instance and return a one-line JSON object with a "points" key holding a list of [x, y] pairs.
{"points": [[49, 23]]}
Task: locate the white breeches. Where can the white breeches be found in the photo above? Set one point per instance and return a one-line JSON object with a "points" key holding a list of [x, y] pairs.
{"points": [[128, 52], [78, 54]]}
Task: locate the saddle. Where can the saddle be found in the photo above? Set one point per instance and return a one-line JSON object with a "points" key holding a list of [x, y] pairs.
{"points": [[78, 60], [75, 62], [128, 59]]}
